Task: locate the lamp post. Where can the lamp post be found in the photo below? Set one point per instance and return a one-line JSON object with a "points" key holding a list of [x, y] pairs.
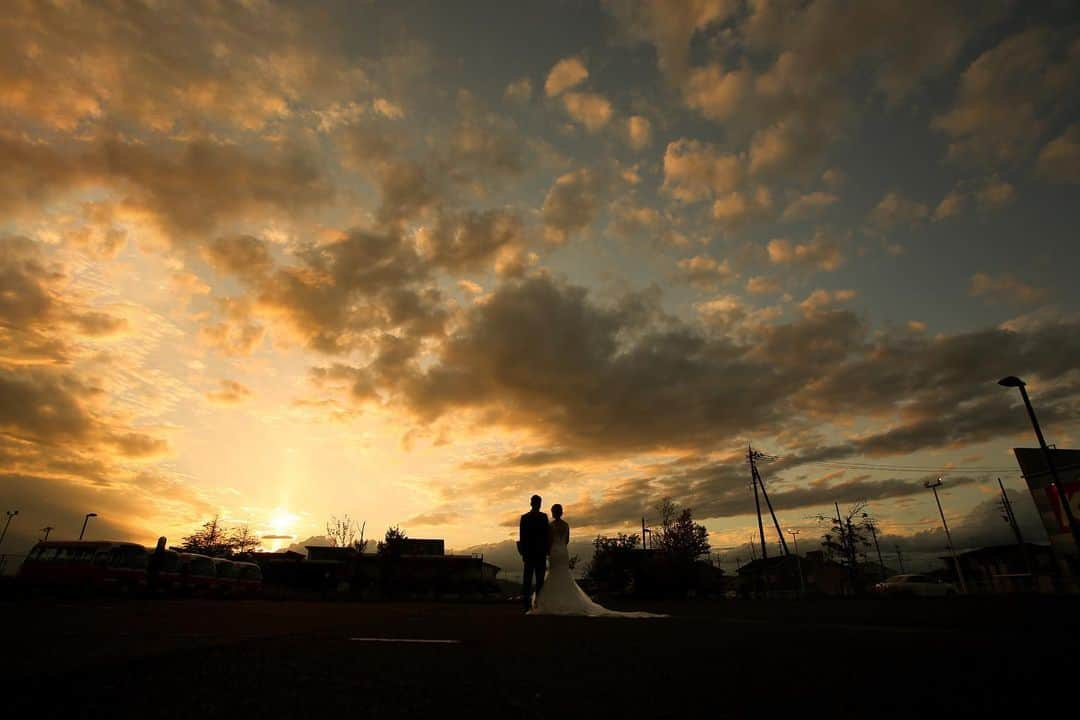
{"points": [[86, 519], [795, 539], [47, 529], [798, 561], [948, 538], [10, 514], [1012, 381]]}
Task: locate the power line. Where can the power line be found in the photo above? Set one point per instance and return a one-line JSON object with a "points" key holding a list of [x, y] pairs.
{"points": [[911, 468]]}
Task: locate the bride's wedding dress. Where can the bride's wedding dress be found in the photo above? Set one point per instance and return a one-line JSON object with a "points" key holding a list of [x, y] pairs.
{"points": [[561, 594]]}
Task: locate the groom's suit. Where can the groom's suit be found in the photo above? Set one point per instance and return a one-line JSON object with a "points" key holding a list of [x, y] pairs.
{"points": [[533, 546]]}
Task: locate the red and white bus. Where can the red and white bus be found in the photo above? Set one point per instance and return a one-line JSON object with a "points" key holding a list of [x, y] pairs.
{"points": [[85, 565]]}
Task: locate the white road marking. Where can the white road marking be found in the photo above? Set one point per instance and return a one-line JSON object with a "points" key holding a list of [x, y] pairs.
{"points": [[419, 641]]}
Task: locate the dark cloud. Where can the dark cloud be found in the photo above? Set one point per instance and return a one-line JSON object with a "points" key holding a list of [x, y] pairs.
{"points": [[240, 255], [1008, 95], [541, 355], [186, 188], [45, 411], [526, 458], [721, 490], [785, 74], [571, 204], [469, 240], [367, 289], [39, 314], [168, 67]]}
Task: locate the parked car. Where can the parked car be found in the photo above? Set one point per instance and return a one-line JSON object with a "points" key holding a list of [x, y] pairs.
{"points": [[915, 586], [248, 578]]}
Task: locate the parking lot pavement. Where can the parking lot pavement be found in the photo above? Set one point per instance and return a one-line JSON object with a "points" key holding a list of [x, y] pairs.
{"points": [[305, 659]]}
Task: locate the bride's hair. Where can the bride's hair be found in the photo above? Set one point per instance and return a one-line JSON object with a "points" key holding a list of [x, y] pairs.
{"points": [[556, 510]]}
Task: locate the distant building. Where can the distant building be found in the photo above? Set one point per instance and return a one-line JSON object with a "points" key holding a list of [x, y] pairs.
{"points": [[323, 553], [793, 575], [419, 546], [422, 567], [278, 568], [1008, 569]]}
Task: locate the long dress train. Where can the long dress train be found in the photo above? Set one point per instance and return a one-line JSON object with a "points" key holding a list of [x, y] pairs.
{"points": [[561, 595]]}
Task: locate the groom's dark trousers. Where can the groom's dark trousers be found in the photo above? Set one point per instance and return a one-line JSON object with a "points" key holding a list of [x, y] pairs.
{"points": [[534, 566], [533, 546]]}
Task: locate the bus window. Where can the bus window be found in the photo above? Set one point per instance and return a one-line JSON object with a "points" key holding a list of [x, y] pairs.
{"points": [[201, 566]]}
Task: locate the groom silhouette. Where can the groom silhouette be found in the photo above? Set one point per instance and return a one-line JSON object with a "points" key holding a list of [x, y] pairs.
{"points": [[533, 548]]}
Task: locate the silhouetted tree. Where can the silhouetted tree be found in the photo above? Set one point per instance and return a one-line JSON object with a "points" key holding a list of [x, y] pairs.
{"points": [[613, 560], [242, 540], [847, 539], [215, 539], [343, 533], [211, 539], [392, 542], [389, 552], [681, 539]]}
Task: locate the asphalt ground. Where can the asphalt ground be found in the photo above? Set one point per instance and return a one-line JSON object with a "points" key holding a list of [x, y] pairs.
{"points": [[257, 658]]}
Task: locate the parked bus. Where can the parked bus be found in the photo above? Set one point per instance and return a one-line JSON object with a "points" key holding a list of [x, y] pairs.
{"points": [[197, 575], [248, 578], [85, 565], [226, 573]]}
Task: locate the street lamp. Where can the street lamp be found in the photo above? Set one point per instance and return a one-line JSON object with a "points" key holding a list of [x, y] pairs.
{"points": [[86, 520], [1013, 381], [10, 514], [798, 560], [948, 538], [47, 529]]}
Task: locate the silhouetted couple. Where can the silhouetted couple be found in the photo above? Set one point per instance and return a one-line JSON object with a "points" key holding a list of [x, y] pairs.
{"points": [[558, 593]]}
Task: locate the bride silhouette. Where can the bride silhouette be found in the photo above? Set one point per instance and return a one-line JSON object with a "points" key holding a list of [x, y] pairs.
{"points": [[560, 594]]}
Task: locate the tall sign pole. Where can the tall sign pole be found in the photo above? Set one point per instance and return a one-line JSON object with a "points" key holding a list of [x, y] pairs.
{"points": [[1016, 382]]}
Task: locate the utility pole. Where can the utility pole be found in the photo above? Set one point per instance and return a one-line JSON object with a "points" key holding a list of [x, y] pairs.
{"points": [[948, 537], [757, 502], [873, 533], [846, 545], [643, 531], [1006, 505], [1010, 517], [47, 529], [752, 456], [10, 514], [900, 558]]}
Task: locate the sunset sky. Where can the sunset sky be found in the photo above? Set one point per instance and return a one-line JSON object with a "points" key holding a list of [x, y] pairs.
{"points": [[416, 261]]}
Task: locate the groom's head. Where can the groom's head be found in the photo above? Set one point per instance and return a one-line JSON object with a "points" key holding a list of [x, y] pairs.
{"points": [[535, 502]]}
